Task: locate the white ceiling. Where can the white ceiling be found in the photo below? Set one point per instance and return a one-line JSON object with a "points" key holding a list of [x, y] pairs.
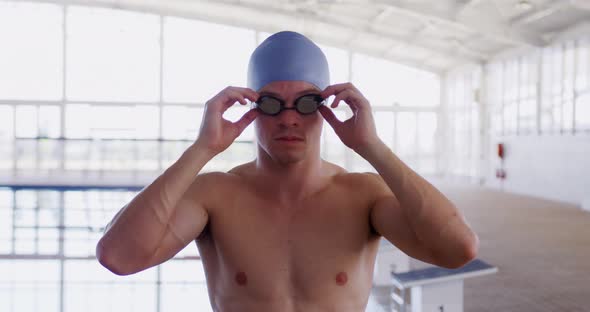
{"points": [[436, 35]]}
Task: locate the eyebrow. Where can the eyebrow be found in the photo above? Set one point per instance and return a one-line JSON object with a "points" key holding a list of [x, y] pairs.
{"points": [[307, 91]]}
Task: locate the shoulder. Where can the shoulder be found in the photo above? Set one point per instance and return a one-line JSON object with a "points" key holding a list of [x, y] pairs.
{"points": [[219, 177], [369, 183], [214, 185]]}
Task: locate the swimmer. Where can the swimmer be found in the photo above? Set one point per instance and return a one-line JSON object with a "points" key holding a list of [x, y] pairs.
{"points": [[288, 231]]}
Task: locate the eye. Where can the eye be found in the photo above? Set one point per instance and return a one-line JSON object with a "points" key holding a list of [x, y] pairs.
{"points": [[269, 105], [308, 104]]}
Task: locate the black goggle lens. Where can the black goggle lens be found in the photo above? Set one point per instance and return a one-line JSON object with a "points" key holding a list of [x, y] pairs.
{"points": [[308, 104], [304, 105], [269, 105]]}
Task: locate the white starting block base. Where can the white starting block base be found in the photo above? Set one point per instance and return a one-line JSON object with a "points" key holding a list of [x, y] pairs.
{"points": [[435, 289]]}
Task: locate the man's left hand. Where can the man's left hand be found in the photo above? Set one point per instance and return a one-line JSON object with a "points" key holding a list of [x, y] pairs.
{"points": [[358, 132]]}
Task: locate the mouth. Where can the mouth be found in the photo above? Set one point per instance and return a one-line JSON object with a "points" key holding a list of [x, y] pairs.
{"points": [[289, 138]]}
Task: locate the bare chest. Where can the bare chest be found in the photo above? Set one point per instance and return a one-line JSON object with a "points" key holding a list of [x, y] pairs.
{"points": [[270, 249]]}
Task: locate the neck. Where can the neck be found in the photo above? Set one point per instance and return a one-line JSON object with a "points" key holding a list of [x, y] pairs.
{"points": [[293, 180]]}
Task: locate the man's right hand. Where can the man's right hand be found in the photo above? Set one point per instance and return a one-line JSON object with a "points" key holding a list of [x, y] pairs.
{"points": [[216, 133]]}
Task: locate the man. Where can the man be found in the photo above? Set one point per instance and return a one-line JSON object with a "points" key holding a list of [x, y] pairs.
{"points": [[288, 231]]}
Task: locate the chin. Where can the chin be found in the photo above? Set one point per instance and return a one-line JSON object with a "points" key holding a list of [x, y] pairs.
{"points": [[288, 158]]}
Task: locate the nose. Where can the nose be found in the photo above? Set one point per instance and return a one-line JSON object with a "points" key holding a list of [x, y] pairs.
{"points": [[289, 117]]}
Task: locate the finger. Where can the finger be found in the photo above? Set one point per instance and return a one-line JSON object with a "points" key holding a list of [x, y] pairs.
{"points": [[246, 92], [246, 119], [232, 96], [348, 97], [330, 117], [336, 88]]}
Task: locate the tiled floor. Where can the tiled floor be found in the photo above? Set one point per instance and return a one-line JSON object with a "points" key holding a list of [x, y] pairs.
{"points": [[542, 250]]}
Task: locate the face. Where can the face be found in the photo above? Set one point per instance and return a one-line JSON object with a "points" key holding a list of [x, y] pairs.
{"points": [[289, 137]]}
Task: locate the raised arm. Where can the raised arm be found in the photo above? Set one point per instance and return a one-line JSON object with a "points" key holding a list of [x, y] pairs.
{"points": [[171, 212], [418, 218]]}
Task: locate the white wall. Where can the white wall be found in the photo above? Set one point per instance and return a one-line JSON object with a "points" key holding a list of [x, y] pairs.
{"points": [[536, 102], [553, 167]]}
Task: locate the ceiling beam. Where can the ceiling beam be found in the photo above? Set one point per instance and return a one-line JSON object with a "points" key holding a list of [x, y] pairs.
{"points": [[503, 33], [197, 11], [462, 7], [368, 28], [539, 13], [580, 4]]}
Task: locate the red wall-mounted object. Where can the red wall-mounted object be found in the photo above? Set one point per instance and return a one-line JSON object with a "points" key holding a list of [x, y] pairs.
{"points": [[501, 150]]}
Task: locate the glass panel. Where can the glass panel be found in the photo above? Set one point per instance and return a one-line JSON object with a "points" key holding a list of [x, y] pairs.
{"points": [[583, 65], [49, 121], [333, 150], [427, 166], [29, 286], [510, 117], [181, 122], [360, 164], [48, 242], [197, 65], [6, 123], [189, 251], [171, 151], [375, 78], [145, 121], [568, 115], [338, 63], [385, 124], [26, 121], [557, 113], [50, 155], [233, 114], [148, 153], [86, 215], [78, 121], [113, 55], [28, 74], [236, 154], [77, 155], [6, 211], [25, 241], [102, 121], [426, 133], [583, 112], [90, 287], [546, 114], [406, 135], [80, 242], [528, 112], [183, 285]]}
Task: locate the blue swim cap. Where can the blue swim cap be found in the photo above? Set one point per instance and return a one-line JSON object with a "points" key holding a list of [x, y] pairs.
{"points": [[288, 55]]}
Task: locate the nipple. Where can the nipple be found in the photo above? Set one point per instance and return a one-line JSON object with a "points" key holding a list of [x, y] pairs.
{"points": [[341, 278], [241, 278]]}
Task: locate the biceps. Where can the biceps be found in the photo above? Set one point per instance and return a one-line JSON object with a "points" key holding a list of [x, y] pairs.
{"points": [[389, 220], [184, 227]]}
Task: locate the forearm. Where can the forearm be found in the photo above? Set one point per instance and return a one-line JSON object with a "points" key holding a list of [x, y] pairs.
{"points": [[137, 229], [437, 223]]}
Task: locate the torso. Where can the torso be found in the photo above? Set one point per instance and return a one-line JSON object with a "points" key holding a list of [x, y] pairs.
{"points": [[313, 255]]}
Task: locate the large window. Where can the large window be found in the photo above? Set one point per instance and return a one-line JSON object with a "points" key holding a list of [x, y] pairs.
{"points": [[197, 64], [406, 104], [112, 55], [27, 286], [564, 87], [463, 106], [33, 223], [540, 92], [31, 59], [97, 94]]}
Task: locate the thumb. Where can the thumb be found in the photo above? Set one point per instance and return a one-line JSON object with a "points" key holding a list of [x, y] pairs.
{"points": [[330, 117], [246, 119]]}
